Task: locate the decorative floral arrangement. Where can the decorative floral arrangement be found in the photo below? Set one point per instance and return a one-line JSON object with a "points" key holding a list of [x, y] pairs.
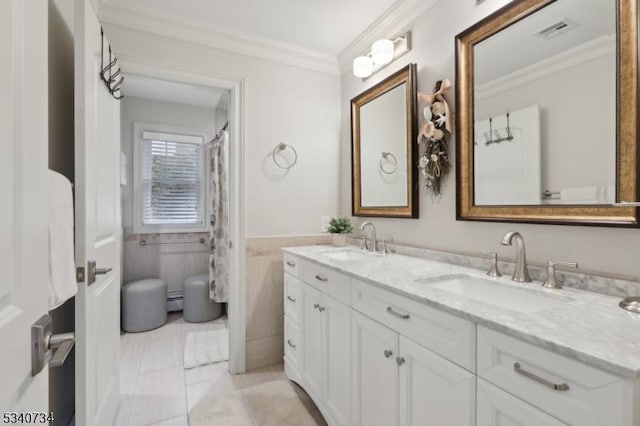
{"points": [[434, 136]]}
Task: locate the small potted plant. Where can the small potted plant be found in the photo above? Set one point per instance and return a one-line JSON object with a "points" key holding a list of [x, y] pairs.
{"points": [[340, 226]]}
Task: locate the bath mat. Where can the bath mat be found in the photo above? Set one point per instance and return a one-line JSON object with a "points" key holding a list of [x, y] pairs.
{"points": [[206, 347], [275, 403]]}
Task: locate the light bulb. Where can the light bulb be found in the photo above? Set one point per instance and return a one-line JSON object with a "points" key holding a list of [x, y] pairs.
{"points": [[382, 51], [362, 66]]}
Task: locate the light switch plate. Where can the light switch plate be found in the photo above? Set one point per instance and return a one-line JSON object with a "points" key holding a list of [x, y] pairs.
{"points": [[324, 220]]}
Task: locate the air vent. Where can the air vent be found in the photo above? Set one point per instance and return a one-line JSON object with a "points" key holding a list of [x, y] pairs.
{"points": [[555, 29]]}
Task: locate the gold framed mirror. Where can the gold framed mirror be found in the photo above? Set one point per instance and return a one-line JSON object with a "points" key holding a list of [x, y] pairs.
{"points": [[547, 114], [383, 148]]}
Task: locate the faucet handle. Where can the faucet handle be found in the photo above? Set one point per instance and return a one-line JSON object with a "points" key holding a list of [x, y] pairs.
{"points": [[493, 256], [551, 281]]}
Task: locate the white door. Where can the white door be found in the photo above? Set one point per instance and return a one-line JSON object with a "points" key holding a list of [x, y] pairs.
{"points": [[336, 345], [375, 373], [434, 391], [498, 408], [23, 202], [312, 340], [97, 147]]}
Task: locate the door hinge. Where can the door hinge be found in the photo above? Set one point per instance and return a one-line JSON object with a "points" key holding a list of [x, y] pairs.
{"points": [[80, 274]]}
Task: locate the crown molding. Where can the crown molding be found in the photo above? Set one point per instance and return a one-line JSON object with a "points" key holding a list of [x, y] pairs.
{"points": [[396, 19], [153, 21], [580, 54]]}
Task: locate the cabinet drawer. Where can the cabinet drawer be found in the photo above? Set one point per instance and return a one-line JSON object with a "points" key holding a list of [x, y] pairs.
{"points": [[291, 298], [496, 407], [447, 335], [327, 281], [291, 265], [291, 345], [583, 395]]}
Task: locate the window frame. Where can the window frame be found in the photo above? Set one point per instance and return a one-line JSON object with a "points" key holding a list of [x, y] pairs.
{"points": [[139, 227]]}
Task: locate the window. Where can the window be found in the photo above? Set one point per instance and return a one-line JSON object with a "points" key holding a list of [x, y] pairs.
{"points": [[170, 184]]}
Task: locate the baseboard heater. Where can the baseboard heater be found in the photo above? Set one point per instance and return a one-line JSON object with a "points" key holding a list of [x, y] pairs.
{"points": [[174, 301]]}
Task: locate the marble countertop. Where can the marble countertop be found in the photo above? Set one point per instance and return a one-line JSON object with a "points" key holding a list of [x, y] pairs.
{"points": [[585, 326]]}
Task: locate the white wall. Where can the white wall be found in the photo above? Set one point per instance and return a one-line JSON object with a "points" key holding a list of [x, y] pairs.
{"points": [[150, 111], [282, 104], [610, 250]]}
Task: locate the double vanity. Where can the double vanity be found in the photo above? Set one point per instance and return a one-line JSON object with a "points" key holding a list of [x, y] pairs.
{"points": [[399, 340]]}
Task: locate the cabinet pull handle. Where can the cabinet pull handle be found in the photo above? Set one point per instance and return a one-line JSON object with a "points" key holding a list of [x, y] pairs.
{"points": [[518, 369], [290, 343], [388, 353], [321, 308], [400, 360], [291, 298], [321, 278], [290, 263], [397, 314]]}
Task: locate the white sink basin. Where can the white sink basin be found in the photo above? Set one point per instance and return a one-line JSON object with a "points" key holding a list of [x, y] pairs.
{"points": [[500, 295], [346, 255]]}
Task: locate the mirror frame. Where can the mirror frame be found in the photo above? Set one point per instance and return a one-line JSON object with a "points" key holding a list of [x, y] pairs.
{"points": [[405, 75], [626, 126]]}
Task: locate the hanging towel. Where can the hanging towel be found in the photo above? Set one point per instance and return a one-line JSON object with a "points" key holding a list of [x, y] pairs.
{"points": [[589, 194], [62, 268]]}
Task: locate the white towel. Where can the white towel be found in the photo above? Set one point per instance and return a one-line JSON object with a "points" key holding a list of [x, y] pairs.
{"points": [[580, 193], [62, 268]]}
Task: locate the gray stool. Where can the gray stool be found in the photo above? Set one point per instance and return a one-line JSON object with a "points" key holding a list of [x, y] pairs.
{"points": [[196, 303], [144, 305]]}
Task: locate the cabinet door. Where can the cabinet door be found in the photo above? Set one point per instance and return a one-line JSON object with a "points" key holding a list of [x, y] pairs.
{"points": [[311, 340], [498, 408], [375, 373], [337, 360], [434, 391]]}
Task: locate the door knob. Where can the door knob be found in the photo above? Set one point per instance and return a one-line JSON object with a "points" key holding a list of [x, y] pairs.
{"points": [[388, 353], [44, 343], [93, 271]]}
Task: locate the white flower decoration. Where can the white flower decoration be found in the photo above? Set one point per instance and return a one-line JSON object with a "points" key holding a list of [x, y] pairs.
{"points": [[438, 108], [438, 134], [427, 130], [426, 113]]}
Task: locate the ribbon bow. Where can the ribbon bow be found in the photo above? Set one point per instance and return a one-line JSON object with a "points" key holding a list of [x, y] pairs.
{"points": [[438, 95]]}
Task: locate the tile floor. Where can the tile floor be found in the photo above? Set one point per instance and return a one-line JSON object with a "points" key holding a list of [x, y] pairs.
{"points": [[157, 390]]}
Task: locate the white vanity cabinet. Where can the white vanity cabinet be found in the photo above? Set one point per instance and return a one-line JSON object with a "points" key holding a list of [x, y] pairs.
{"points": [[371, 357], [324, 362], [398, 382]]}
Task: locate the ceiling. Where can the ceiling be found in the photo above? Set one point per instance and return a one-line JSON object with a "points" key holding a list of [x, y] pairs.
{"points": [[168, 91], [519, 45], [326, 26]]}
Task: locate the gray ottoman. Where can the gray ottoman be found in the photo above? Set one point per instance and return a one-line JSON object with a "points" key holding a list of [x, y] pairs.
{"points": [[196, 303], [144, 305]]}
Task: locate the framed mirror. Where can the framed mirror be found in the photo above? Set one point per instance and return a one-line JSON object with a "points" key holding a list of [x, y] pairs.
{"points": [[383, 148], [547, 114]]}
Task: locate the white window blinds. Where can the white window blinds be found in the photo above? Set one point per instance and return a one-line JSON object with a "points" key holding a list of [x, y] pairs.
{"points": [[172, 179]]}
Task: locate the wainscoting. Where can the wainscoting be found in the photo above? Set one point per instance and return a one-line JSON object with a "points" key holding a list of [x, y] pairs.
{"points": [[171, 262], [264, 296]]}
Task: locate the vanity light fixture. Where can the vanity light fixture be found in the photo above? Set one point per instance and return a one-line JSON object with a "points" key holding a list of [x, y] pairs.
{"points": [[362, 66], [382, 53]]}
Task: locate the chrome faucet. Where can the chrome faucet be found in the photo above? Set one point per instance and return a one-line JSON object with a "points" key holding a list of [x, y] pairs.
{"points": [[521, 273], [374, 247]]}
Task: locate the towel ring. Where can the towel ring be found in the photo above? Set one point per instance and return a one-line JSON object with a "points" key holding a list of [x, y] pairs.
{"points": [[385, 156], [282, 147]]}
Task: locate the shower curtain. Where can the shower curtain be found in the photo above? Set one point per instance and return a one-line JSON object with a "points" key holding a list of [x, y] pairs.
{"points": [[219, 229]]}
